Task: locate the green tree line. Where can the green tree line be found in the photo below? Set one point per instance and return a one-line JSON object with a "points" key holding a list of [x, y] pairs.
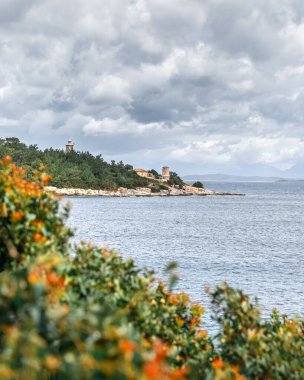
{"points": [[73, 169]]}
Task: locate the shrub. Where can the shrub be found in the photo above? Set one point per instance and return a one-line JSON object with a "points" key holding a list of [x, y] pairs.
{"points": [[198, 184], [271, 349], [100, 276], [96, 316], [175, 180]]}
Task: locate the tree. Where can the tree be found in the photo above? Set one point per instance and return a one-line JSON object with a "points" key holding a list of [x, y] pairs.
{"points": [[198, 184], [76, 169], [175, 180], [155, 173]]}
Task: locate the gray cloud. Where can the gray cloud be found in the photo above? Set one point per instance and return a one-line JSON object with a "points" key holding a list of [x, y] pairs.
{"points": [[202, 85], [14, 10]]}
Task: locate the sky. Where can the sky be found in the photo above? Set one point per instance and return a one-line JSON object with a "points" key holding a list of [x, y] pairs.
{"points": [[202, 86]]}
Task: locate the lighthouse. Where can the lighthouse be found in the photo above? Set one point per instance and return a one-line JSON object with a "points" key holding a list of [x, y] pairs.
{"points": [[69, 146]]}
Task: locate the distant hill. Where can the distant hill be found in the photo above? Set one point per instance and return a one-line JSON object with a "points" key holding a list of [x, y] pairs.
{"points": [[297, 171], [257, 173], [228, 178]]}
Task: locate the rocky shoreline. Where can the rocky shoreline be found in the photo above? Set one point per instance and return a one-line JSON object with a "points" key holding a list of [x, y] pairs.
{"points": [[138, 192]]}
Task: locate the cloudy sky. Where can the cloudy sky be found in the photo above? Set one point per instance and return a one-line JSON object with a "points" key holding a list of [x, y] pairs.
{"points": [[204, 86]]}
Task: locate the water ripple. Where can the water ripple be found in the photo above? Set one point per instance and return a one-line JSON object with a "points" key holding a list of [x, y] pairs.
{"points": [[254, 242]]}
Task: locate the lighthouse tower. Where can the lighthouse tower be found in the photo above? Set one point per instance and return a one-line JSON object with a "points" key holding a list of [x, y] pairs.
{"points": [[69, 146]]}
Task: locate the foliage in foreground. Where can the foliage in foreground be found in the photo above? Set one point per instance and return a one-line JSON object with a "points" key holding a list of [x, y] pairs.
{"points": [[96, 316]]}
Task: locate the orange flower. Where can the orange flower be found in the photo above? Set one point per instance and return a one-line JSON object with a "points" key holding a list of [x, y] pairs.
{"points": [[235, 369], [45, 179], [184, 297], [152, 371], [105, 252], [240, 377], [54, 280], [16, 216], [179, 374], [38, 238], [160, 349], [34, 277], [6, 160], [194, 322], [18, 181], [201, 333], [126, 346], [38, 224], [52, 362], [217, 363], [180, 321], [22, 171], [174, 300]]}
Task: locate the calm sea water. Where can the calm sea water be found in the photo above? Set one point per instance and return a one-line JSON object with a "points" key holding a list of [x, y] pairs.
{"points": [[254, 242]]}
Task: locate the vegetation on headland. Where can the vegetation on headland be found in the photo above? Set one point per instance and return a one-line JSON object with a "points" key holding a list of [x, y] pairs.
{"points": [[77, 169], [198, 184], [81, 312]]}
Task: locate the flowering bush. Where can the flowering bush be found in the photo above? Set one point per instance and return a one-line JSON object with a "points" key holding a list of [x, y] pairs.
{"points": [[96, 316], [99, 276], [31, 224], [272, 349]]}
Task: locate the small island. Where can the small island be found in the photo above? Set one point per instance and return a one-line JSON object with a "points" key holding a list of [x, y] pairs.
{"points": [[76, 173]]}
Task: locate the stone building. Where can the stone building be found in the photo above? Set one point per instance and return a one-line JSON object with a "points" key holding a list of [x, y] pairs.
{"points": [[143, 173], [69, 146], [163, 178], [166, 173]]}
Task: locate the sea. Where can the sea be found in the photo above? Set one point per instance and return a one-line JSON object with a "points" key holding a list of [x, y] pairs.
{"points": [[254, 242]]}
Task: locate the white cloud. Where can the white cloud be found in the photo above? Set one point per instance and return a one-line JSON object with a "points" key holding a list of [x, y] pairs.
{"points": [[191, 81], [110, 89], [123, 125], [39, 123]]}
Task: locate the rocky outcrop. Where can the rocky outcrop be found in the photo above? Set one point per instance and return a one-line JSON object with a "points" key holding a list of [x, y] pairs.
{"points": [[138, 192]]}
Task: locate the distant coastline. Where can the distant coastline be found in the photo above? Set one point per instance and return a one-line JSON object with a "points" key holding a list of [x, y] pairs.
{"points": [[190, 178]]}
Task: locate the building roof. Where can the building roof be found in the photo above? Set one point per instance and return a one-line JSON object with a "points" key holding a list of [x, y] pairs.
{"points": [[140, 170]]}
